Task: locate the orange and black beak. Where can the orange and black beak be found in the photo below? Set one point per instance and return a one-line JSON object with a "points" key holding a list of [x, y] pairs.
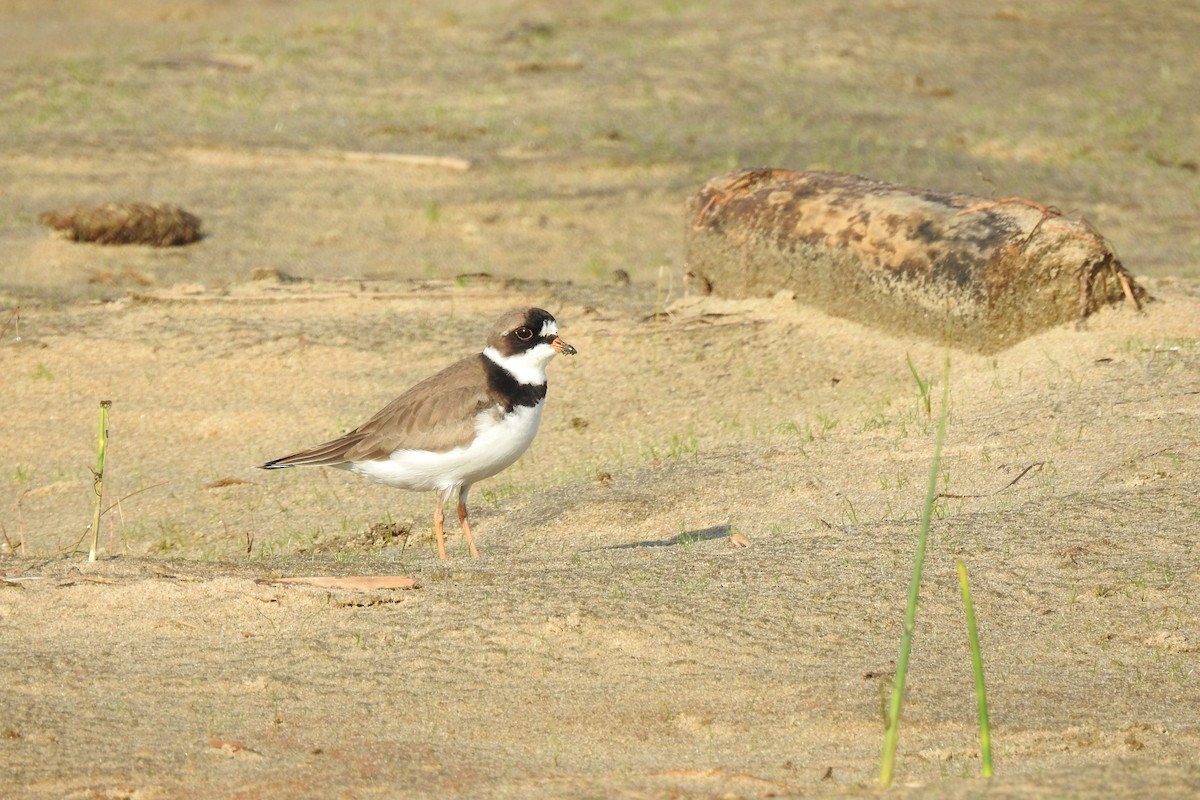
{"points": [[562, 347]]}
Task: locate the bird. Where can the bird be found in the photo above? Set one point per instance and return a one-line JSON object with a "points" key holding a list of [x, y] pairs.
{"points": [[468, 422]]}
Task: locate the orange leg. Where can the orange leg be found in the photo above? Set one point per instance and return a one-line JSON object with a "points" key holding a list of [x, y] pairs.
{"points": [[466, 526], [438, 518]]}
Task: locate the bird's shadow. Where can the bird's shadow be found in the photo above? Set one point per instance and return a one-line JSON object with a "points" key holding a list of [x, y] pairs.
{"points": [[683, 538]]}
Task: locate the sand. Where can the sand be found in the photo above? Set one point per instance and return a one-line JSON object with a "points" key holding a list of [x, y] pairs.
{"points": [[611, 641]]}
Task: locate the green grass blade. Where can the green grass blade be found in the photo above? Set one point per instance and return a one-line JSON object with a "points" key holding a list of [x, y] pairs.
{"points": [[985, 732], [98, 479], [923, 386], [891, 737]]}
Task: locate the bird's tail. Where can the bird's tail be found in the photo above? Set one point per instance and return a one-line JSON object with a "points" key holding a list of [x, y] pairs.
{"points": [[330, 454]]}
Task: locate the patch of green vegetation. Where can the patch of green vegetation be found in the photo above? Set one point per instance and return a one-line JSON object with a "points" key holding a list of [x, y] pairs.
{"points": [[791, 428], [596, 267], [1137, 346], [849, 513], [679, 445], [923, 387], [493, 492], [826, 423], [433, 212]]}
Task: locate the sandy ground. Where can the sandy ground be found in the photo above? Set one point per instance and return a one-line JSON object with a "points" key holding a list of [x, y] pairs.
{"points": [[610, 642]]}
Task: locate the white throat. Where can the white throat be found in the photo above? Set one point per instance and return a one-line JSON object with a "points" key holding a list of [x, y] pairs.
{"points": [[528, 367]]}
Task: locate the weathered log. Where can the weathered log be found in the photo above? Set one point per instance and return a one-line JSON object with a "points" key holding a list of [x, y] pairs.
{"points": [[155, 224], [987, 273]]}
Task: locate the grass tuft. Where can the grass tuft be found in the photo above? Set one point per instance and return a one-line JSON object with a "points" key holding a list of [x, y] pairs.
{"points": [[892, 712]]}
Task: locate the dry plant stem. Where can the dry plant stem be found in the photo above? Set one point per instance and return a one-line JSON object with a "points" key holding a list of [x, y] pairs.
{"points": [[12, 548], [98, 475], [21, 520], [660, 304], [891, 737], [13, 322], [1128, 290], [1009, 485], [117, 503], [985, 731]]}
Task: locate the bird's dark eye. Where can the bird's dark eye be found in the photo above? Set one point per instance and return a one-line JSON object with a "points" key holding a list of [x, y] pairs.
{"points": [[524, 334]]}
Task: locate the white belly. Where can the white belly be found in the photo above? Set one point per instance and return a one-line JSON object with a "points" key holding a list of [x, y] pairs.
{"points": [[496, 446]]}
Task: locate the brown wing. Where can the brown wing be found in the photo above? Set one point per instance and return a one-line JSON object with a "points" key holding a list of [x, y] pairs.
{"points": [[437, 414]]}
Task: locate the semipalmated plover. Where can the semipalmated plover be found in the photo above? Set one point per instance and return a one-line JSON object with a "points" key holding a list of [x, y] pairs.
{"points": [[466, 423]]}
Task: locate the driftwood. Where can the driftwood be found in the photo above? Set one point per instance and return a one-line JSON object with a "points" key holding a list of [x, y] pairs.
{"points": [[156, 224], [988, 273]]}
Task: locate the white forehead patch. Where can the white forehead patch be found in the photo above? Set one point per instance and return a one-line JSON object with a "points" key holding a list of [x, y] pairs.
{"points": [[549, 328]]}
